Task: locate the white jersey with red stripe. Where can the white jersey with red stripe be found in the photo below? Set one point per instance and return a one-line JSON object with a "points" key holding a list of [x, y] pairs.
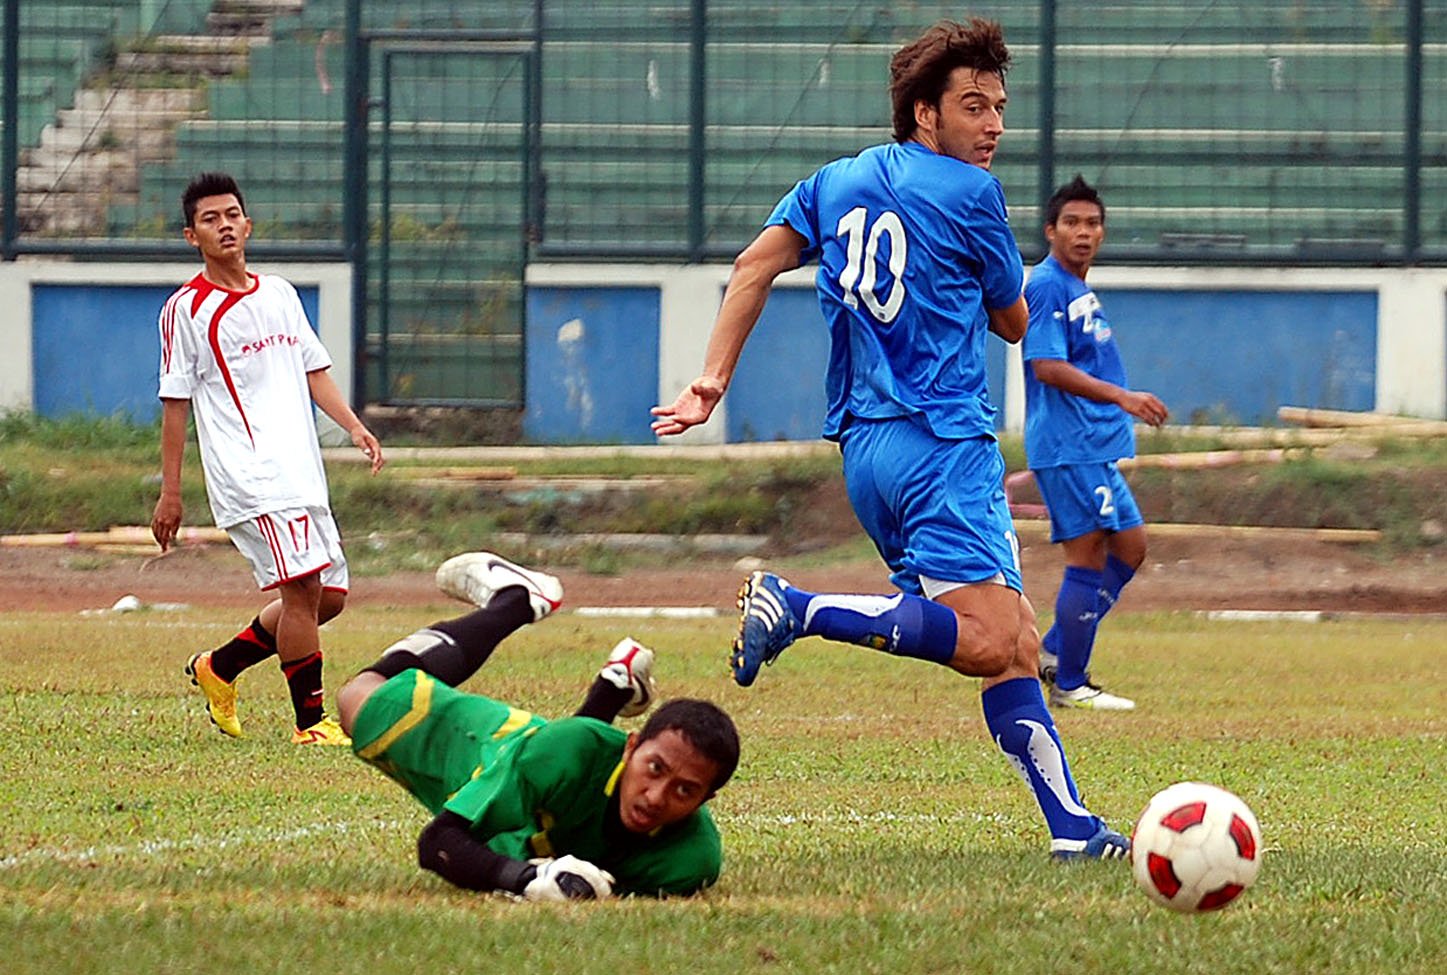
{"points": [[242, 358]]}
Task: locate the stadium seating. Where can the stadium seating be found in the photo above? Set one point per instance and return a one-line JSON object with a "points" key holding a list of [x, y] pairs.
{"points": [[1234, 125]]}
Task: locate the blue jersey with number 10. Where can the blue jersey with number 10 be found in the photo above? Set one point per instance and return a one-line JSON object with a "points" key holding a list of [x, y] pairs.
{"points": [[913, 247]]}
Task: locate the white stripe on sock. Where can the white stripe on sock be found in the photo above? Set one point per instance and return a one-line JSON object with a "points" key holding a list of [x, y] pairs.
{"points": [[871, 606], [1050, 766]]}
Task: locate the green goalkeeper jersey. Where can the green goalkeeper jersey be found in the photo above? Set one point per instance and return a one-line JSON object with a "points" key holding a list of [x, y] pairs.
{"points": [[530, 787]]}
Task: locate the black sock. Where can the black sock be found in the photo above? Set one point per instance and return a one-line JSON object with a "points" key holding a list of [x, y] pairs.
{"points": [[604, 700], [304, 678], [246, 649], [469, 640], [393, 663]]}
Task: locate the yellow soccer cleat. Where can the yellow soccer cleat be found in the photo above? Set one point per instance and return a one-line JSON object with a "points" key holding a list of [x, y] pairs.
{"points": [[324, 732], [220, 696]]}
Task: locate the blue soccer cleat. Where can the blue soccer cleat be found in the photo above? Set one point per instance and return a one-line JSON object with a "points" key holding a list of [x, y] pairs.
{"points": [[1105, 844], [766, 626]]}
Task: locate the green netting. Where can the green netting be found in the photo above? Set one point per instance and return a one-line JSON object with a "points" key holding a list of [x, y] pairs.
{"points": [[1236, 131], [1260, 124]]}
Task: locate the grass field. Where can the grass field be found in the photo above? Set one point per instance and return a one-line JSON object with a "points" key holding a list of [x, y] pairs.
{"points": [[871, 827]]}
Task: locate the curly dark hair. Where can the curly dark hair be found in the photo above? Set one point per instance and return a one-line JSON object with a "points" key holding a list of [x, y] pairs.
{"points": [[921, 70]]}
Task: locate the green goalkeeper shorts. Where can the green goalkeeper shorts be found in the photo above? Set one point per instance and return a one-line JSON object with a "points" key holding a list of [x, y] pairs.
{"points": [[432, 739]]}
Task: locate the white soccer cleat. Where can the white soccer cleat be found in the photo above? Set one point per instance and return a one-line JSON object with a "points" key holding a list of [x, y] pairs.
{"points": [[631, 665], [475, 577], [1089, 697]]}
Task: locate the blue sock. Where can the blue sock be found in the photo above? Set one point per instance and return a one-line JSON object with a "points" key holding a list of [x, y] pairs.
{"points": [[1077, 614], [1115, 577], [904, 625], [1050, 642], [1017, 718]]}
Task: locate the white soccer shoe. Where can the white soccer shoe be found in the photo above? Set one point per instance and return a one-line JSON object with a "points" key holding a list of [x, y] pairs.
{"points": [[1089, 697], [631, 665], [475, 577]]}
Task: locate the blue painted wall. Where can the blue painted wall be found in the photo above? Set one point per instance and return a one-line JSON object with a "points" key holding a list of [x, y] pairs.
{"points": [[95, 348], [778, 389], [1234, 357], [592, 365], [1213, 356]]}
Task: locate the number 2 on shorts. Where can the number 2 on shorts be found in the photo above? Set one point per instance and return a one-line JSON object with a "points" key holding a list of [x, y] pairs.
{"points": [[1107, 500]]}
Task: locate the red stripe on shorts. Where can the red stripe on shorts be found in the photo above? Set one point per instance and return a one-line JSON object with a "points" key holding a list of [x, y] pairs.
{"points": [[273, 539]]}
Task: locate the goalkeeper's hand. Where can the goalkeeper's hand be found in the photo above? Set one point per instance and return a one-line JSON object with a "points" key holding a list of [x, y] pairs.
{"points": [[568, 879]]}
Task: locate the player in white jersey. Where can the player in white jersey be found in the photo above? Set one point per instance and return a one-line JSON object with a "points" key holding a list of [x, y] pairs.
{"points": [[237, 346]]}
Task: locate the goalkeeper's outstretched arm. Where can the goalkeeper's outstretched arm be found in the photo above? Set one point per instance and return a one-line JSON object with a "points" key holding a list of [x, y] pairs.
{"points": [[449, 848]]}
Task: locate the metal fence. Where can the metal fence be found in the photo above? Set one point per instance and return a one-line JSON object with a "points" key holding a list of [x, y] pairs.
{"points": [[440, 145]]}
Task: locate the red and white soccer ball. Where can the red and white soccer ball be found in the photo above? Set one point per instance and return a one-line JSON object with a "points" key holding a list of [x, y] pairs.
{"points": [[1195, 848]]}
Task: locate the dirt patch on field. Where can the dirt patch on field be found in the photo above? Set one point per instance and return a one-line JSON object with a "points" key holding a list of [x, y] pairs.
{"points": [[1201, 572]]}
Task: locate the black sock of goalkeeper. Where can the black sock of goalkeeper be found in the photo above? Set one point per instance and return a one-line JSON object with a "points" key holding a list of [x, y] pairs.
{"points": [[455, 649], [605, 699], [246, 649]]}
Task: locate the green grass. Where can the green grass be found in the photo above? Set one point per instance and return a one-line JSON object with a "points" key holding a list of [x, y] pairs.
{"points": [[871, 827]]}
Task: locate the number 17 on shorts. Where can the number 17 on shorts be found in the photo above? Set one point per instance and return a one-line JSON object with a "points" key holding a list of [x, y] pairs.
{"points": [[292, 543]]}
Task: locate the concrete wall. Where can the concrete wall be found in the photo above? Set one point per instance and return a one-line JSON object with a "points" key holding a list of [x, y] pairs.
{"points": [[606, 342], [1220, 345]]}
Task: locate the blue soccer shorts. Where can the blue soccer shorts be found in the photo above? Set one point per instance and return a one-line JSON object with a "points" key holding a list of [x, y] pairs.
{"points": [[1083, 498], [933, 507]]}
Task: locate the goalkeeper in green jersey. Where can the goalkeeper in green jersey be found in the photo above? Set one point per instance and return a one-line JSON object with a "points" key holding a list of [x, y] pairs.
{"points": [[547, 810]]}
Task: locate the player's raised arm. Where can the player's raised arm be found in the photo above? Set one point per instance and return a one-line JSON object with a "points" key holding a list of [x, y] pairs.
{"points": [[775, 250]]}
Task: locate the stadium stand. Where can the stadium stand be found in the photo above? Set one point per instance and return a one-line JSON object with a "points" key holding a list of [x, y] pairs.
{"points": [[1240, 128]]}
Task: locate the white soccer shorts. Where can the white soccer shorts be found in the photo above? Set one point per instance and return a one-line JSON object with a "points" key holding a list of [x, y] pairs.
{"points": [[290, 544]]}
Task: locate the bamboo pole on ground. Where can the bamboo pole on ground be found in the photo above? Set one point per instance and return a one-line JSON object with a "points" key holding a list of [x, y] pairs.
{"points": [[116, 535]]}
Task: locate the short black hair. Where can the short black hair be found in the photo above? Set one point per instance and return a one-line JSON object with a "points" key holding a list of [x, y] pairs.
{"points": [[1076, 189], [204, 185], [707, 729]]}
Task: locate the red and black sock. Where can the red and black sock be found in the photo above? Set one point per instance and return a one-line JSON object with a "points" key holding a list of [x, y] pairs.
{"points": [[246, 649], [304, 678]]}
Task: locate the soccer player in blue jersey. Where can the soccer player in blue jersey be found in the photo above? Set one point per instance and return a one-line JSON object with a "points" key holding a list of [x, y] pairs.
{"points": [[916, 263], [1078, 424]]}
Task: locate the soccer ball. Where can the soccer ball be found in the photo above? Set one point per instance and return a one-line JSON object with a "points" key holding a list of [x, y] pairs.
{"points": [[1195, 848]]}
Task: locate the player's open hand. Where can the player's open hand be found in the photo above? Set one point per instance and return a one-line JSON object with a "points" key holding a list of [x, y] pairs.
{"points": [[1145, 407], [166, 520], [568, 879], [693, 406], [369, 445]]}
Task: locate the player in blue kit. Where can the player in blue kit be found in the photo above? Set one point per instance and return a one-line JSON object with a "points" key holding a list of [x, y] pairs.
{"points": [[916, 263], [1078, 423]]}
